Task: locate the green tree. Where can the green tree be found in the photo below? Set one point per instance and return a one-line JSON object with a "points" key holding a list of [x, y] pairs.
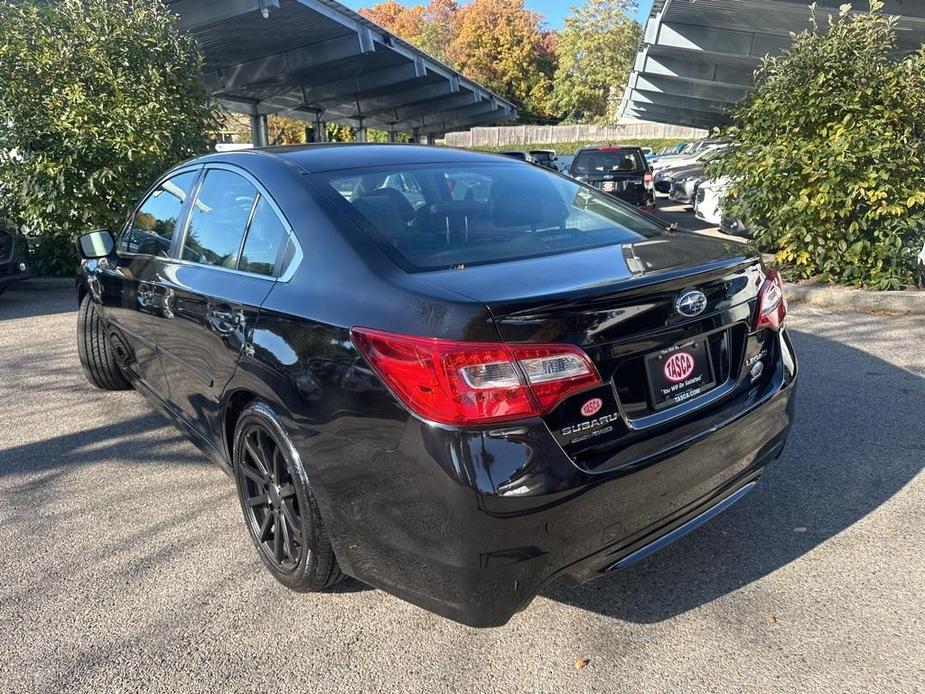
{"points": [[96, 99], [596, 48], [830, 167]]}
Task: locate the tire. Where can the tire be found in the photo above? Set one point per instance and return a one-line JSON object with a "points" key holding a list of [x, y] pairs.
{"points": [[96, 356], [276, 498]]}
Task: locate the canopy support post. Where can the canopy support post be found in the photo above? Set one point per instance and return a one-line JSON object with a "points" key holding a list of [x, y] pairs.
{"points": [[259, 134]]}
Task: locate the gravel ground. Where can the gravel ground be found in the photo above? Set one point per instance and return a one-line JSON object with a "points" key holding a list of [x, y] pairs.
{"points": [[127, 566]]}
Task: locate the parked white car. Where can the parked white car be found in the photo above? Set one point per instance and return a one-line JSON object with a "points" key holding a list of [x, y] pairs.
{"points": [[692, 167], [708, 206], [691, 154], [708, 201]]}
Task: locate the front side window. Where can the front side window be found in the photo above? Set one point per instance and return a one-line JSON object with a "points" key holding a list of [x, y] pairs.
{"points": [[153, 225], [219, 219], [481, 213]]}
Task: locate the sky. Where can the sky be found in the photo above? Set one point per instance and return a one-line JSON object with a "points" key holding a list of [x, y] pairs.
{"points": [[554, 10]]}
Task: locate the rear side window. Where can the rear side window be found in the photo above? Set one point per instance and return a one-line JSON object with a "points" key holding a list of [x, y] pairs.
{"points": [[604, 161], [266, 238], [481, 213], [153, 225], [219, 219]]}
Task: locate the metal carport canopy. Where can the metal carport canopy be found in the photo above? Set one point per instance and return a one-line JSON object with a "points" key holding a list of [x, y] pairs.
{"points": [[318, 61], [698, 57]]}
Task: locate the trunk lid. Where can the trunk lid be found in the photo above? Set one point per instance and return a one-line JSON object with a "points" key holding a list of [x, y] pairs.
{"points": [[619, 304]]}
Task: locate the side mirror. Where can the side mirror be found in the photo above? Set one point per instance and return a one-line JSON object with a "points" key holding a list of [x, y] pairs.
{"points": [[95, 244]]}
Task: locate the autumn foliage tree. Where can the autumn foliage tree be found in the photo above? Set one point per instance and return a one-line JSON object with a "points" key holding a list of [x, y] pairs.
{"points": [[500, 44], [406, 22], [496, 42], [439, 23]]}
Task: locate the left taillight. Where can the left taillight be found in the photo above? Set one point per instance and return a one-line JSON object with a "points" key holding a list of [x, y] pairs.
{"points": [[772, 304], [460, 383]]}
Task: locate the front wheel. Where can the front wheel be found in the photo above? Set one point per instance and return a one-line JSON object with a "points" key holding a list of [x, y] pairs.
{"points": [[96, 354], [280, 512]]}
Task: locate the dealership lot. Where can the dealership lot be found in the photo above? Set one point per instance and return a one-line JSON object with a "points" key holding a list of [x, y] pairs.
{"points": [[127, 565]]}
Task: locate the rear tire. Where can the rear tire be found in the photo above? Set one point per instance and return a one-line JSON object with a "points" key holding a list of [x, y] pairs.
{"points": [[280, 511], [96, 356]]}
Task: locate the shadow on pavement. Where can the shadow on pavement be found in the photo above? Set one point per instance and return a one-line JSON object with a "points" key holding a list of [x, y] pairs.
{"points": [[126, 441], [37, 298], [858, 438], [680, 214]]}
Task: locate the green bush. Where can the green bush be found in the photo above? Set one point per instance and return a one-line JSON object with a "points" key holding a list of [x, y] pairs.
{"points": [[830, 167], [96, 99]]}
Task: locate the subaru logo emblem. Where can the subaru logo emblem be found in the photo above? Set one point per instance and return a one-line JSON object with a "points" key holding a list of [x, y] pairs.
{"points": [[691, 303]]}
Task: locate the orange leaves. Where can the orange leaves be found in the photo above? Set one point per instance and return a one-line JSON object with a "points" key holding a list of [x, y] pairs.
{"points": [[404, 22], [496, 42]]}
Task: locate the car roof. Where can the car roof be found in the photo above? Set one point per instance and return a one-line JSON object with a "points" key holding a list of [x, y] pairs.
{"points": [[316, 158]]}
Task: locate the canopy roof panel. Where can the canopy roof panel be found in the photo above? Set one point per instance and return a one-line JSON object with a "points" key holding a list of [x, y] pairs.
{"points": [[318, 60], [698, 57]]}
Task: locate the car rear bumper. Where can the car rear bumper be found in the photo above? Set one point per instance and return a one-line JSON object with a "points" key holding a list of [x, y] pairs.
{"points": [[681, 192], [644, 198], [472, 525]]}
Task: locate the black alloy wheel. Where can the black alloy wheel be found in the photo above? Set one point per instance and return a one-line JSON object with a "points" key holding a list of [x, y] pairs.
{"points": [[272, 507], [280, 511]]}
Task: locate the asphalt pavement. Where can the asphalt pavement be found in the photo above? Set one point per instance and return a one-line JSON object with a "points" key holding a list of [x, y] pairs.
{"points": [[126, 565]]}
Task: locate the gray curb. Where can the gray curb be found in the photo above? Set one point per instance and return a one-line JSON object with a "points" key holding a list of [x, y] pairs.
{"points": [[910, 302]]}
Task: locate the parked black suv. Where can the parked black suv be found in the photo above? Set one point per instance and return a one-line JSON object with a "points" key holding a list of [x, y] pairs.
{"points": [[546, 157], [617, 170], [14, 256], [452, 376]]}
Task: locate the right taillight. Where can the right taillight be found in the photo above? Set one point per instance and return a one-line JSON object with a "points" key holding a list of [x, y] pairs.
{"points": [[772, 304], [458, 383]]}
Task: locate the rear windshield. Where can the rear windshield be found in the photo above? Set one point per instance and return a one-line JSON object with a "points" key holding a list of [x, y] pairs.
{"points": [[431, 217], [602, 161]]}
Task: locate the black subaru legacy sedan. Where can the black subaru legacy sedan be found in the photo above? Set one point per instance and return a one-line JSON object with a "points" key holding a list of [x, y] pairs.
{"points": [[447, 374]]}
